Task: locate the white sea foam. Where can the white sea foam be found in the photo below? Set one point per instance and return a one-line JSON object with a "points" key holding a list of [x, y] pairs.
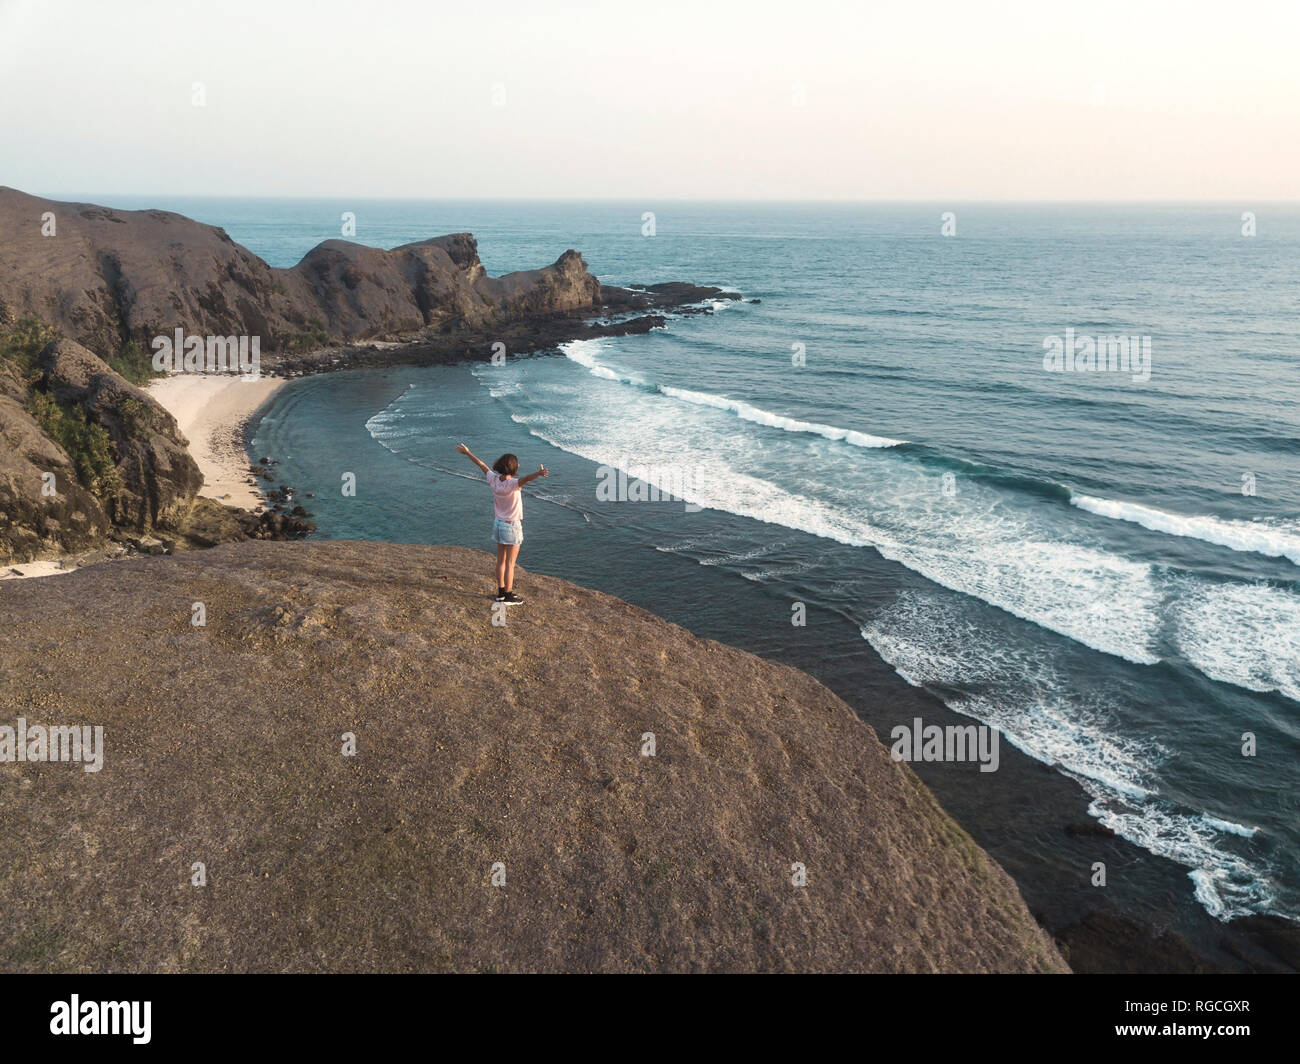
{"points": [[1229, 826], [584, 353], [1226, 883], [778, 421], [384, 425], [1105, 601], [1101, 600], [1259, 537], [1247, 635], [932, 643], [1007, 550]]}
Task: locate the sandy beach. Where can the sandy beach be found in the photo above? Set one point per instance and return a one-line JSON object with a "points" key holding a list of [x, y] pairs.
{"points": [[45, 567], [212, 411]]}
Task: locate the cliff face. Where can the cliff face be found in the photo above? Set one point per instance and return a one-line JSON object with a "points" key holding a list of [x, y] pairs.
{"points": [[116, 457], [108, 277], [516, 747], [32, 521], [158, 476]]}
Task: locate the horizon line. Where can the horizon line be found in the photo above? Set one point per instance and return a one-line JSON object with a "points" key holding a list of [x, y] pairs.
{"points": [[792, 201]]}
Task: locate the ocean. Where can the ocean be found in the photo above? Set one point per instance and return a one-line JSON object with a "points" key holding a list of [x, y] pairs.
{"points": [[1101, 563]]}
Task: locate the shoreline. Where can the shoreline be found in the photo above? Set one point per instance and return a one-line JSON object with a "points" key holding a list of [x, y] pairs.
{"points": [[214, 413]]}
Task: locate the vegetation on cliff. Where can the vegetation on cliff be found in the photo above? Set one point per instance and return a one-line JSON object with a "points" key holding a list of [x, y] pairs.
{"points": [[86, 452]]}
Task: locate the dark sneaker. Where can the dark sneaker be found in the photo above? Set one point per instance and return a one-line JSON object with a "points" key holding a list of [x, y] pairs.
{"points": [[510, 599]]}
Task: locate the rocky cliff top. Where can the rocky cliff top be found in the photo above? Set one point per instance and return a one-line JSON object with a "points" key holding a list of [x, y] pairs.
{"points": [[475, 744]]}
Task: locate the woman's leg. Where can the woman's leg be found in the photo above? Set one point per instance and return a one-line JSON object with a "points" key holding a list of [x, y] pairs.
{"points": [[502, 551], [511, 553]]}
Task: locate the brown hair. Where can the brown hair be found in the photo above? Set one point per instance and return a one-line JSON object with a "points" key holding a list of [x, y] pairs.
{"points": [[507, 465]]}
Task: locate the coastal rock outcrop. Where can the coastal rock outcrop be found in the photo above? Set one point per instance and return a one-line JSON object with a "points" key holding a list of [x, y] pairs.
{"points": [[38, 515], [86, 455], [585, 788], [667, 295], [159, 479], [107, 278]]}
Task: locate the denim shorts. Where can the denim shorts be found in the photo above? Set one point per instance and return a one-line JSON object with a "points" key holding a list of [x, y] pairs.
{"points": [[511, 533]]}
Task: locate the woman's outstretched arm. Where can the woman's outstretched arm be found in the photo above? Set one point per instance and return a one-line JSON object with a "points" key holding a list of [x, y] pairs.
{"points": [[462, 449], [542, 471]]}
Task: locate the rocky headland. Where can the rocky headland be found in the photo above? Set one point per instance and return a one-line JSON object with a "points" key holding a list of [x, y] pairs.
{"points": [[110, 278]]}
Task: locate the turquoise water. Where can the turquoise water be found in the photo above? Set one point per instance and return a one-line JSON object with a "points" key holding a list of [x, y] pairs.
{"points": [[1103, 567]]}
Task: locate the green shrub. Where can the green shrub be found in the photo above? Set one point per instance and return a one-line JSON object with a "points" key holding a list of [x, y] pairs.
{"points": [[134, 363], [86, 443], [23, 343], [312, 337], [137, 418]]}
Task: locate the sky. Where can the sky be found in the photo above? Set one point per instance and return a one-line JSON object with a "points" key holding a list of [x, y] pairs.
{"points": [[800, 99]]}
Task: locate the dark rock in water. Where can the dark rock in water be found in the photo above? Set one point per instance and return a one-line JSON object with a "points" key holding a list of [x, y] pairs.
{"points": [[276, 524], [224, 744], [468, 345], [671, 294], [1106, 942], [1273, 935], [1110, 943], [630, 327]]}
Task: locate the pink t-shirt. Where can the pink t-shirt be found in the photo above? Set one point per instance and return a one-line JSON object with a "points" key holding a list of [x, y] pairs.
{"points": [[507, 499]]}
